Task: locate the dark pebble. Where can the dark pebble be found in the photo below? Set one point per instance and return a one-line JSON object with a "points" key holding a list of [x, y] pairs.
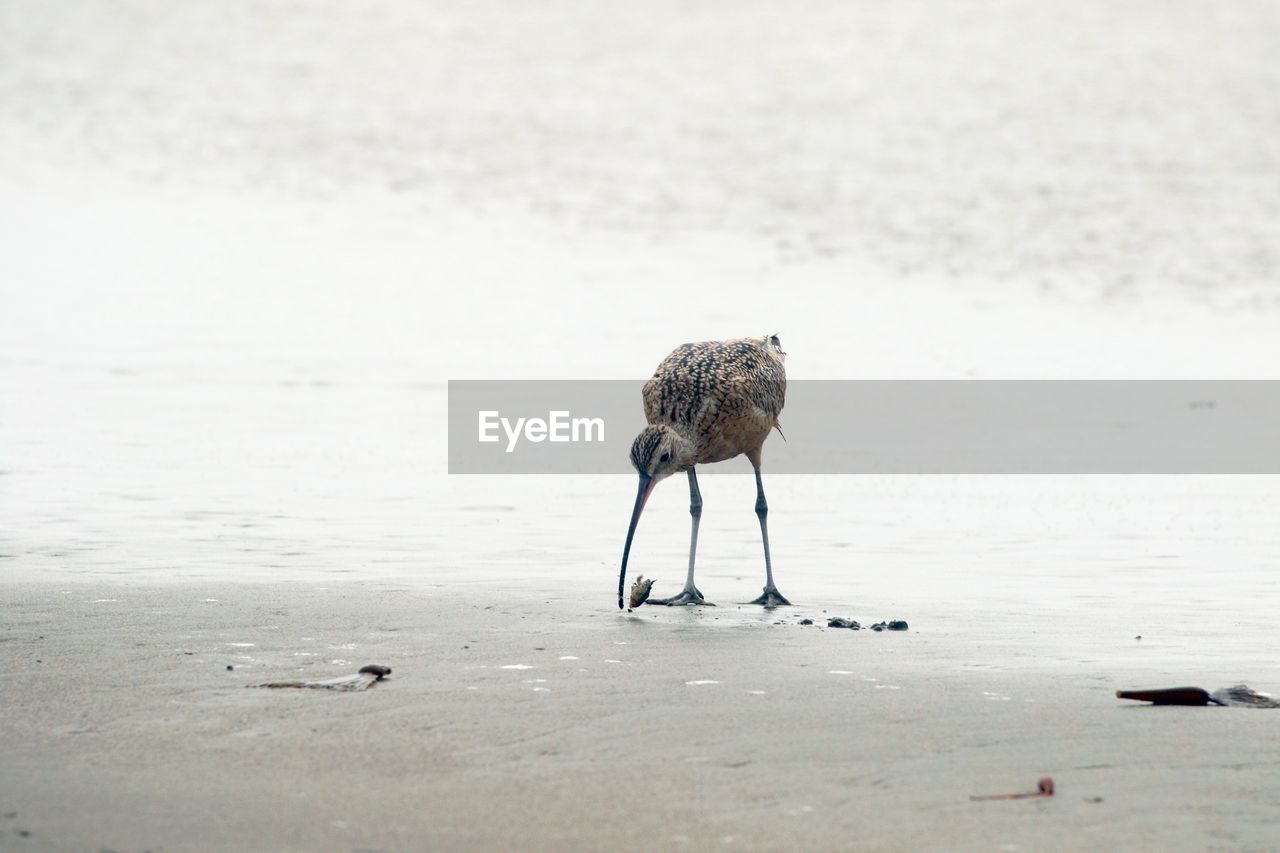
{"points": [[838, 622], [376, 669], [230, 667], [806, 621], [879, 626], [898, 625]]}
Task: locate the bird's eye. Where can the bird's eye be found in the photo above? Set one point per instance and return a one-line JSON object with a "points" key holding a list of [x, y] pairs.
{"points": [[664, 457]]}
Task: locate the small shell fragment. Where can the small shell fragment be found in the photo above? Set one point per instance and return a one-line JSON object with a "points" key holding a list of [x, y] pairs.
{"points": [[640, 591]]}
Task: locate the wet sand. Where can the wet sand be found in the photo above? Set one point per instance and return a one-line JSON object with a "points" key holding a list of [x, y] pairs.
{"points": [[516, 719]]}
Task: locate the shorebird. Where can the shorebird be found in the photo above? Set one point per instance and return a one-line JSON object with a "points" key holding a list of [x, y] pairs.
{"points": [[708, 402]]}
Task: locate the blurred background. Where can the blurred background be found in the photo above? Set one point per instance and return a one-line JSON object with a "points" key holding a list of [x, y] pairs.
{"points": [[246, 243]]}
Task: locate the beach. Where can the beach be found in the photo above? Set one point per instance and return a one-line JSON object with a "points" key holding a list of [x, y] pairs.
{"points": [[516, 719], [525, 712], [247, 247]]}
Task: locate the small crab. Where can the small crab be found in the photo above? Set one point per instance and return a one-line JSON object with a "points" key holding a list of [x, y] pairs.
{"points": [[640, 591]]}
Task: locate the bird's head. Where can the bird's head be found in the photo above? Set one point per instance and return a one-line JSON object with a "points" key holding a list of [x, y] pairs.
{"points": [[657, 453], [660, 451]]}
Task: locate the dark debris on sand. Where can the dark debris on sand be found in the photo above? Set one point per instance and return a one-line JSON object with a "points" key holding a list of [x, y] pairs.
{"points": [[841, 622], [1236, 696]]}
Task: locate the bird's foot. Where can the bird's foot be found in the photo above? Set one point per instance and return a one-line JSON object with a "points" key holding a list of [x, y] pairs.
{"points": [[770, 598], [686, 597]]}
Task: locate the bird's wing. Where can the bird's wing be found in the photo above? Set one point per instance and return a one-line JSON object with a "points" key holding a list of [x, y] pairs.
{"points": [[675, 392], [679, 398], [697, 384], [767, 385], [755, 396]]}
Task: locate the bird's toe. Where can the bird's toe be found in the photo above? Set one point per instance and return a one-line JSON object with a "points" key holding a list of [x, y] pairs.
{"points": [[771, 598], [685, 599]]}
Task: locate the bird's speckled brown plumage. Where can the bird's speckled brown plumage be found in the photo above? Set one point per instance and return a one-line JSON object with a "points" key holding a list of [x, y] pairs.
{"points": [[708, 402], [724, 396]]}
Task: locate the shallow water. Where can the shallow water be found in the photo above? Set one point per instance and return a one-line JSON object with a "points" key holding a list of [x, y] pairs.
{"points": [[273, 409]]}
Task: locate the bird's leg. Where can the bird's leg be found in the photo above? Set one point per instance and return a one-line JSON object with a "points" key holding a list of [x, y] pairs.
{"points": [[695, 513], [690, 593], [770, 597]]}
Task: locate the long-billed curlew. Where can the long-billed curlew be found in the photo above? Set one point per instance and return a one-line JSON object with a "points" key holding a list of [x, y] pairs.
{"points": [[708, 402]]}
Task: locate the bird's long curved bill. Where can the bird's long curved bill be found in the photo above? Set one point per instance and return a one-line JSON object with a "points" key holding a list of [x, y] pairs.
{"points": [[642, 496]]}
